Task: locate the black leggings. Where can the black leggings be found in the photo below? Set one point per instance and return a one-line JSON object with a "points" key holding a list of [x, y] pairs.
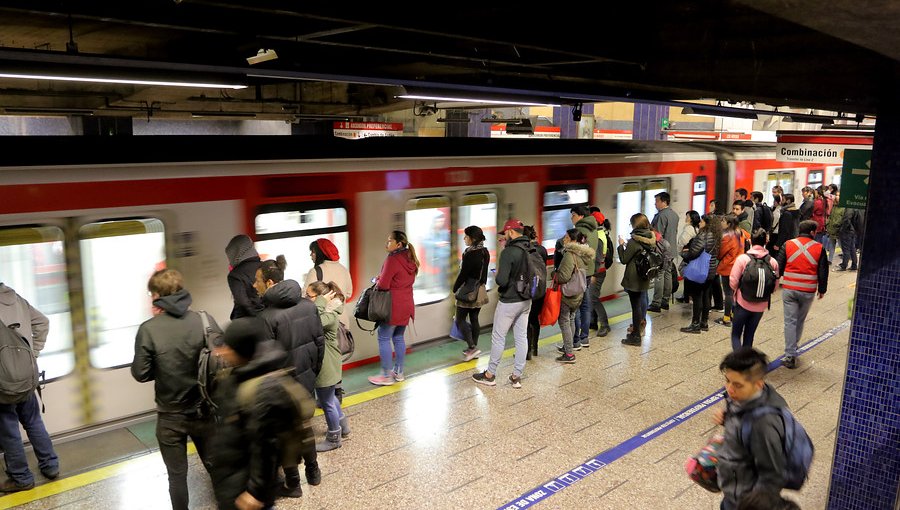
{"points": [[534, 324], [729, 294], [715, 292], [472, 330], [700, 297]]}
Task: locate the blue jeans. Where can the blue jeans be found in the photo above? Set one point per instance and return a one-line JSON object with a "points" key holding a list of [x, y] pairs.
{"points": [[388, 334], [331, 407], [848, 250], [796, 306], [506, 316], [583, 315], [743, 323], [832, 246], [27, 413]]}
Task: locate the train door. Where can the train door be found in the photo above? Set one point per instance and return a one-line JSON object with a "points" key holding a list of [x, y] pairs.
{"points": [[637, 197], [783, 178], [479, 209], [555, 216]]}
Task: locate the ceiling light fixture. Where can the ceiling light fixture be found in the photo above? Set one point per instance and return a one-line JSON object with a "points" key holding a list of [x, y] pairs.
{"points": [[473, 100], [200, 115], [719, 111], [261, 56], [125, 81]]}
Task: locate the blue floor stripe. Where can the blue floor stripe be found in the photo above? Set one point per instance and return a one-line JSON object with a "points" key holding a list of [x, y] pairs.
{"points": [[597, 463]]}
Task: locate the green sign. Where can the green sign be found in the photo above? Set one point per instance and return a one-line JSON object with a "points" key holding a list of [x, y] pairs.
{"points": [[664, 123], [855, 178]]}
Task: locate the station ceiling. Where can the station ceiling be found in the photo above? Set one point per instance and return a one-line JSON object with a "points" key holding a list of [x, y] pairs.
{"points": [[353, 59]]}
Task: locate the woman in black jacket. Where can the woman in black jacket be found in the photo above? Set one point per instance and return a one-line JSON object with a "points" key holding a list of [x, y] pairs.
{"points": [[707, 240], [472, 274], [243, 261]]}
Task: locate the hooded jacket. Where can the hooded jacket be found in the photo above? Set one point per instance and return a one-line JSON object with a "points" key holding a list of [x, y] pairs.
{"points": [[703, 241], [331, 363], [741, 470], [245, 450], [731, 246], [641, 239], [398, 274], [33, 325], [588, 227], [511, 265], [166, 350], [240, 280], [574, 256], [293, 322]]}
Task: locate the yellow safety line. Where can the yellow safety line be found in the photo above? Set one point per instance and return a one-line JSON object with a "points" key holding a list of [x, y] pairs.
{"points": [[96, 475]]}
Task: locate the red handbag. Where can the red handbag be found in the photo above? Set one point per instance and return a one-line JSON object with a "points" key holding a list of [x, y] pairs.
{"points": [[552, 300]]}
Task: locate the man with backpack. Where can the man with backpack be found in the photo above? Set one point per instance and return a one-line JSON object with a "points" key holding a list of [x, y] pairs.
{"points": [[765, 448], [603, 259], [519, 280], [753, 278], [25, 333], [587, 225], [762, 216], [167, 351], [804, 267], [665, 221]]}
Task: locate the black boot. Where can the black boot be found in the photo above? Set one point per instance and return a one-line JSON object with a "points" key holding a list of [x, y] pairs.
{"points": [[313, 474], [693, 328], [632, 339]]}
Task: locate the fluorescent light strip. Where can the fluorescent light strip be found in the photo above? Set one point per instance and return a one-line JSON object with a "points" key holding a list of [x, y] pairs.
{"points": [[464, 100], [118, 80]]}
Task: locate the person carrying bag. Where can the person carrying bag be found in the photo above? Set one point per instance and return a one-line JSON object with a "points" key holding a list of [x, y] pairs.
{"points": [[470, 290]]}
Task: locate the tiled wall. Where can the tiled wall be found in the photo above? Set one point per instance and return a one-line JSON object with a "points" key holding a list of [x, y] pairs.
{"points": [[866, 469]]}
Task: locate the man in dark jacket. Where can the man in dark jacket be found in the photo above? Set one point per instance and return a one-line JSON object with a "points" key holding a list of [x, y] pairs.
{"points": [[763, 465], [788, 223], [293, 322], [849, 234], [166, 351], [762, 217], [259, 418], [587, 225], [665, 221], [806, 207], [513, 309], [243, 261]]}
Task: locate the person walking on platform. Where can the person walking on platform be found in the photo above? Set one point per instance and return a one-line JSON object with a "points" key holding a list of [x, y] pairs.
{"points": [[761, 465], [576, 255], [513, 308], [398, 274], [747, 314], [804, 268], [587, 225], [537, 304], [32, 326], [292, 321], [243, 261], [473, 273], [665, 221], [636, 285], [264, 419], [602, 257], [167, 351]]}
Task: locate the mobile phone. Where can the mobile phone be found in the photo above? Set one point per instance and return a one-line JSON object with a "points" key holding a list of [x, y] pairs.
{"points": [[493, 269]]}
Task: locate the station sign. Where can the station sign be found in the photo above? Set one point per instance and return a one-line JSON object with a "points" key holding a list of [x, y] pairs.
{"points": [[499, 131], [819, 146], [855, 178], [357, 130]]}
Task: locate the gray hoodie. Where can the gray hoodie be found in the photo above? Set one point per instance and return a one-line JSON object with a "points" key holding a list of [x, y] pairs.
{"points": [[33, 325]]}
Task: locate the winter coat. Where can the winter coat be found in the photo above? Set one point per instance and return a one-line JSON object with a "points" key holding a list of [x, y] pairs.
{"points": [[732, 245], [852, 223], [33, 325], [574, 256], [474, 266], [245, 450], [588, 227], [510, 266], [788, 226], [734, 278], [240, 280], [818, 215], [293, 322], [398, 274], [704, 241], [833, 225], [688, 232], [806, 209], [641, 239], [331, 363], [332, 272], [166, 350], [744, 222], [762, 217], [666, 223], [762, 466]]}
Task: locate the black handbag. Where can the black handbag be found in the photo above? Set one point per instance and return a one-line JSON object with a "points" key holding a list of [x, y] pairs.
{"points": [[379, 305], [468, 292]]}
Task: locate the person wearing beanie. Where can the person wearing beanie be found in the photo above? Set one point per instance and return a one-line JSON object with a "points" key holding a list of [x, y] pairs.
{"points": [[264, 419], [243, 261], [326, 268]]}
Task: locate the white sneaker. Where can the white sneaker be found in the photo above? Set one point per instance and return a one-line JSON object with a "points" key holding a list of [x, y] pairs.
{"points": [[471, 354], [398, 376]]}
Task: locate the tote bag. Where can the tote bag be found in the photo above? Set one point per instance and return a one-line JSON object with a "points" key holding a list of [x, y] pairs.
{"points": [[379, 305], [550, 312], [697, 270]]}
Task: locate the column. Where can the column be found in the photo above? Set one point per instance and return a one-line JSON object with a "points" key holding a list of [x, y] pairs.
{"points": [[647, 121]]}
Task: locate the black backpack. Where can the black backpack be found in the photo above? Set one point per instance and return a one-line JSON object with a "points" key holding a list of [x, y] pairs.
{"points": [[758, 279], [208, 364], [648, 262], [603, 259], [531, 282], [18, 370]]}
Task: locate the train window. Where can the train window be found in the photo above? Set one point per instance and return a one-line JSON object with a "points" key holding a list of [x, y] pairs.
{"points": [[651, 188], [289, 229], [556, 217], [117, 259], [769, 184], [814, 178], [479, 209], [698, 201], [34, 265], [786, 180], [836, 180], [428, 229], [628, 203]]}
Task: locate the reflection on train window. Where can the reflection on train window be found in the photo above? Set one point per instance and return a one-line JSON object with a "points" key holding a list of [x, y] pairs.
{"points": [[34, 265], [628, 203], [836, 180], [814, 178], [785, 179], [698, 201], [117, 260], [289, 230], [556, 217], [428, 229], [651, 189], [479, 209]]}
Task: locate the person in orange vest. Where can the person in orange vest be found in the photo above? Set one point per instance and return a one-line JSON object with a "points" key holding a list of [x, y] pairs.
{"points": [[803, 266]]}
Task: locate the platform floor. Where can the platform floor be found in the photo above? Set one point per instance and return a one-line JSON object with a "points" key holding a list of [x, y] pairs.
{"points": [[441, 441]]}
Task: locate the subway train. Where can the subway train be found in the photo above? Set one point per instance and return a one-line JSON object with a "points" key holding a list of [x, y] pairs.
{"points": [[85, 221]]}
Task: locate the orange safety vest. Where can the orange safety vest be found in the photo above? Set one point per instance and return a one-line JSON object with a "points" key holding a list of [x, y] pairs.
{"points": [[801, 272]]}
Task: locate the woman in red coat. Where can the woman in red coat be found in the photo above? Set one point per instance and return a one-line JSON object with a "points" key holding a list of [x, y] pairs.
{"points": [[398, 273]]}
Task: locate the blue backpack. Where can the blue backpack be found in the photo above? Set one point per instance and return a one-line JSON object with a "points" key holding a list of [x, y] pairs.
{"points": [[798, 447]]}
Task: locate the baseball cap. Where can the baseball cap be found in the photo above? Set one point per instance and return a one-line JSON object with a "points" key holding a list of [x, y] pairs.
{"points": [[512, 223]]}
